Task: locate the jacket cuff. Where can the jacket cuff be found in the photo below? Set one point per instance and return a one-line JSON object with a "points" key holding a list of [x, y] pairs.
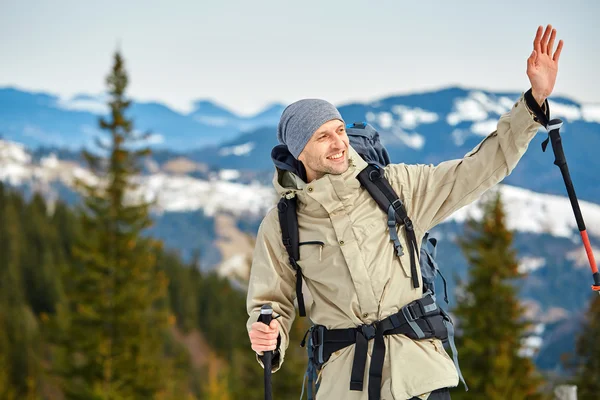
{"points": [[278, 355], [540, 114], [523, 126]]}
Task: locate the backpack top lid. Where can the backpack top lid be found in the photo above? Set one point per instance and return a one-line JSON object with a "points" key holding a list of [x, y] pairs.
{"points": [[365, 140]]}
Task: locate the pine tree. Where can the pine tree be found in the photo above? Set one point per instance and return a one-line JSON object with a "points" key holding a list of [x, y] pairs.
{"points": [[19, 331], [41, 281], [587, 360], [115, 317], [490, 317]]}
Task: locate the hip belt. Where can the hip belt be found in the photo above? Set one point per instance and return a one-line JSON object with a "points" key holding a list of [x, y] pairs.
{"points": [[420, 319]]}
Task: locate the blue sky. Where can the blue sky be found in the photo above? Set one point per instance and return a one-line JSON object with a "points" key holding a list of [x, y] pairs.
{"points": [[247, 54]]}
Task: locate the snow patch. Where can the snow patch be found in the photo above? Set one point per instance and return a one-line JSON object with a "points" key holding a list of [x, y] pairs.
{"points": [[184, 193], [240, 150], [410, 118], [484, 128], [567, 111], [591, 112], [530, 345], [236, 265], [95, 105], [459, 136], [466, 110], [50, 162], [477, 106], [13, 152], [384, 119], [579, 256], [412, 140], [528, 211], [154, 138], [229, 174], [530, 264]]}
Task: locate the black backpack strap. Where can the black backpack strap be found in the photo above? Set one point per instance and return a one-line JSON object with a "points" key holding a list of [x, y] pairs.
{"points": [[372, 179], [288, 220]]}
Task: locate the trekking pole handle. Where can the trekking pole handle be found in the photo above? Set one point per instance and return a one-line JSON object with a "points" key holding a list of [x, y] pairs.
{"points": [[266, 316]]}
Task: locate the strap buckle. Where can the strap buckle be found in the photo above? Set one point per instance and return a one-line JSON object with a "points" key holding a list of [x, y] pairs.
{"points": [[397, 204], [368, 331], [317, 338], [409, 313], [408, 223]]}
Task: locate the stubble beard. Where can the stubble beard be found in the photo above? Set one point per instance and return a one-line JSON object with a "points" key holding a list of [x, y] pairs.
{"points": [[321, 169]]}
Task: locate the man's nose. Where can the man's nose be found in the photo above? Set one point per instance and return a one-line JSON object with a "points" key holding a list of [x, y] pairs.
{"points": [[339, 141]]}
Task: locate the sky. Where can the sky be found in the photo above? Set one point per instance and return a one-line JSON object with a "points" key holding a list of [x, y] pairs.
{"points": [[246, 54]]}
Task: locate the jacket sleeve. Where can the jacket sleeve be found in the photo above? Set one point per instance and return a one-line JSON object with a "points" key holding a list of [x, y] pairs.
{"points": [[433, 193], [272, 280]]}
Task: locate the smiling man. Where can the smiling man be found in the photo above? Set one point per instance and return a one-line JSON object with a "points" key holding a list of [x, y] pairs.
{"points": [[357, 279]]}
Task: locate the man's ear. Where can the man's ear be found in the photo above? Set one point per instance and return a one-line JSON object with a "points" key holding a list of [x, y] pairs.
{"points": [[301, 156]]}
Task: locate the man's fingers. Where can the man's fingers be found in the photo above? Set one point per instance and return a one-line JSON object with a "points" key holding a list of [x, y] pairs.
{"points": [[551, 42], [558, 50], [264, 342], [536, 42], [274, 325], [263, 335], [261, 348], [544, 42], [259, 326]]}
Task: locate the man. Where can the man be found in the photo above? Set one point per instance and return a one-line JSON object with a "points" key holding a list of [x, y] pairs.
{"points": [[352, 272]]}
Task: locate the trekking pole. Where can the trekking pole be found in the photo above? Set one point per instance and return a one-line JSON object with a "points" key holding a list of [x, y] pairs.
{"points": [[266, 315], [553, 128], [561, 162]]}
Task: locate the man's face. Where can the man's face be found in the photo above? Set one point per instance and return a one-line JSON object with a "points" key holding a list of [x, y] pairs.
{"points": [[327, 151]]}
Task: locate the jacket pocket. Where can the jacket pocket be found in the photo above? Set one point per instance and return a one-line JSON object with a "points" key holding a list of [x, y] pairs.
{"points": [[309, 247], [313, 254]]}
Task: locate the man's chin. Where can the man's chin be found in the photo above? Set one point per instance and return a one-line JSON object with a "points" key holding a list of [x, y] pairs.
{"points": [[339, 169]]}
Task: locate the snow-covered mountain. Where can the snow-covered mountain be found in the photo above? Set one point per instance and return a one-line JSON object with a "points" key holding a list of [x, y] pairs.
{"points": [[441, 125], [41, 119]]}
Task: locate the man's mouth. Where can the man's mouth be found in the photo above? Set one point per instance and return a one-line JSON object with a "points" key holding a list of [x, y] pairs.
{"points": [[338, 156]]}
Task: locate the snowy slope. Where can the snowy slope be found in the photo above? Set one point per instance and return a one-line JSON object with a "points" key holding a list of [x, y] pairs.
{"points": [[527, 211], [172, 192], [532, 212]]}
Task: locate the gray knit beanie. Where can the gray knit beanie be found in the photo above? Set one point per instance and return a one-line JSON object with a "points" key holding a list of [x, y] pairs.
{"points": [[301, 119]]}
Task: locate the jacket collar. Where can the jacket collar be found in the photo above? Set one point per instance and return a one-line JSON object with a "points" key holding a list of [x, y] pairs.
{"points": [[328, 191]]}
